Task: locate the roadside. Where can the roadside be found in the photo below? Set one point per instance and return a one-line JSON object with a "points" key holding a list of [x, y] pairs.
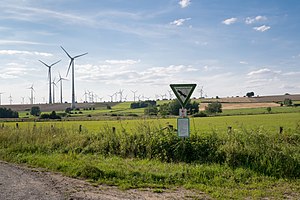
{"points": [[20, 182]]}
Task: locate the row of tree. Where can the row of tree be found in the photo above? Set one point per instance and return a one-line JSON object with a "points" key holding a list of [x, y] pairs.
{"points": [[8, 113]]}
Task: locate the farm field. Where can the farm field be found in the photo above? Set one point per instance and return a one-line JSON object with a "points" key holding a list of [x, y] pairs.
{"points": [[270, 122]]}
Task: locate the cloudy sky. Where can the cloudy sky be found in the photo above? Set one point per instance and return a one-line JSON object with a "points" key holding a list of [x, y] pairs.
{"points": [[227, 47]]}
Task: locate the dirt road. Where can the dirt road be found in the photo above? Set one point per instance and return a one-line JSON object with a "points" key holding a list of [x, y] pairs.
{"points": [[19, 182]]}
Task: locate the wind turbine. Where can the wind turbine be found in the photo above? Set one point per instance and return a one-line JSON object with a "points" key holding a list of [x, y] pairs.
{"points": [[10, 99], [61, 79], [134, 94], [49, 76], [0, 96], [54, 85], [31, 94], [73, 74]]}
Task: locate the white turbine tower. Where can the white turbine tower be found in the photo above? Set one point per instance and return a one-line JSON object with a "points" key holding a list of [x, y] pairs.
{"points": [[61, 79], [53, 89], [134, 94], [31, 94], [73, 74], [49, 77], [10, 99], [1, 96]]}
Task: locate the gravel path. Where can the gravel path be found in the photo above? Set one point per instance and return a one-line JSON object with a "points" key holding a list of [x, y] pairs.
{"points": [[19, 182]]}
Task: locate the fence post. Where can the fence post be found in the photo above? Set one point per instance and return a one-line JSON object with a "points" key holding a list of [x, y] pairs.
{"points": [[229, 129], [280, 129], [114, 129], [17, 125], [80, 128]]}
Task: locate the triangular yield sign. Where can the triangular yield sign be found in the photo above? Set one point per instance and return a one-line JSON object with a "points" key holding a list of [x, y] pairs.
{"points": [[183, 92]]}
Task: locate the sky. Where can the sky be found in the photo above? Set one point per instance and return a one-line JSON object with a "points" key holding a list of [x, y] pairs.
{"points": [[227, 48]]}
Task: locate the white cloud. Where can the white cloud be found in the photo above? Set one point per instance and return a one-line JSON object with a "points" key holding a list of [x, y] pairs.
{"points": [[14, 52], [123, 62], [179, 22], [259, 18], [243, 62], [229, 21], [259, 72], [262, 28], [291, 74], [14, 42], [184, 3]]}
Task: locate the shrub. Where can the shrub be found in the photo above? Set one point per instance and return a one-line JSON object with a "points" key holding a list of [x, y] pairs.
{"points": [[214, 107], [200, 114], [35, 111], [8, 113]]}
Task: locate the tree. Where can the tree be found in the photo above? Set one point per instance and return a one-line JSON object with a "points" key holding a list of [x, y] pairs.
{"points": [[174, 106], [8, 113], [151, 110], [287, 102], [269, 109], [250, 94], [214, 107], [35, 111]]}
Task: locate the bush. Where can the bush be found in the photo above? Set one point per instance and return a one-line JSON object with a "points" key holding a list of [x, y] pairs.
{"points": [[35, 111], [68, 110], [200, 114], [52, 115], [151, 110], [8, 113], [214, 107]]}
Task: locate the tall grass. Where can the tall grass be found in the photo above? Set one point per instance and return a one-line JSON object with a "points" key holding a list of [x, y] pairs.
{"points": [[260, 150]]}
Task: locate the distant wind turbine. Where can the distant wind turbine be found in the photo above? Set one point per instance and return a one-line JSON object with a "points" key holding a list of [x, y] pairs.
{"points": [[0, 96], [10, 99], [31, 94], [61, 79], [53, 89], [134, 94], [73, 74], [49, 77]]}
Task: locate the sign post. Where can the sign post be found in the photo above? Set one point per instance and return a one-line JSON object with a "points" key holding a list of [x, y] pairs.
{"points": [[183, 92]]}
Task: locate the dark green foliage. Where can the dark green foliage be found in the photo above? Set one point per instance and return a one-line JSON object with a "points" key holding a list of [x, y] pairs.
{"points": [[52, 115], [287, 102], [35, 111], [151, 110], [142, 104], [269, 109], [173, 107], [200, 114], [214, 107], [8, 113], [108, 107], [250, 94], [68, 110]]}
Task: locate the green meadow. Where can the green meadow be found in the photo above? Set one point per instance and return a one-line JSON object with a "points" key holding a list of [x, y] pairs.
{"points": [[250, 160], [270, 122], [253, 160]]}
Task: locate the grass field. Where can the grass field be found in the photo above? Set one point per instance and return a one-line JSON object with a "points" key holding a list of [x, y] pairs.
{"points": [[251, 161], [270, 122]]}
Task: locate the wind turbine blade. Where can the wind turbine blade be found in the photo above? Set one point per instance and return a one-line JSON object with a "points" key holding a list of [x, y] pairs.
{"points": [[55, 63], [69, 66], [44, 63], [80, 55], [66, 52]]}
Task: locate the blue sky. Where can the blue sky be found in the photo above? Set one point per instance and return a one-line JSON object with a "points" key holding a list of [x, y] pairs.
{"points": [[229, 47]]}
